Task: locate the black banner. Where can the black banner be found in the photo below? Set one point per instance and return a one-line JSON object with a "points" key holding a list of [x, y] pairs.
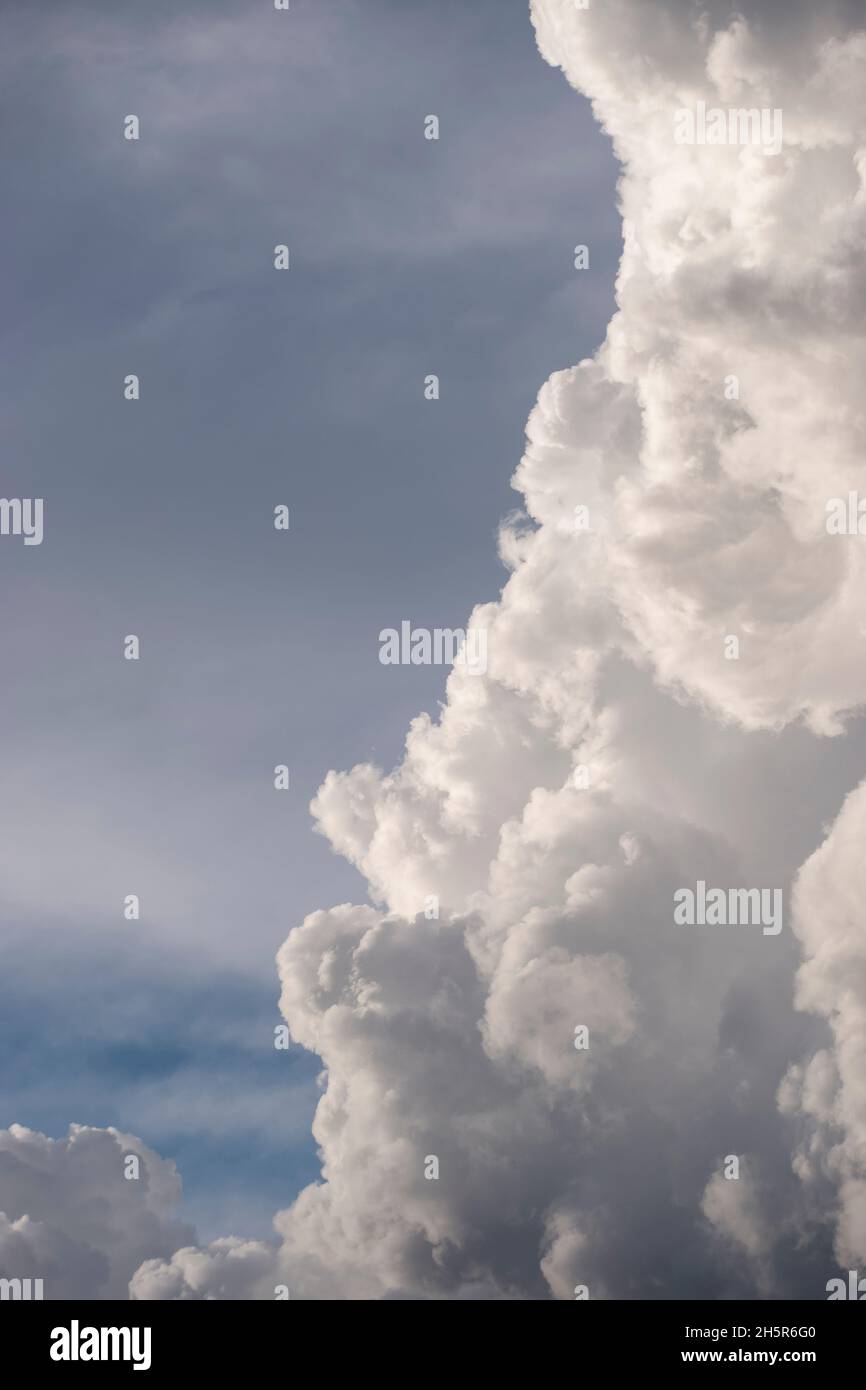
{"points": [[155, 1339]]}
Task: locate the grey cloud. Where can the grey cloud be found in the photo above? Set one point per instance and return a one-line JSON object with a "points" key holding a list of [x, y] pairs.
{"points": [[70, 1217]]}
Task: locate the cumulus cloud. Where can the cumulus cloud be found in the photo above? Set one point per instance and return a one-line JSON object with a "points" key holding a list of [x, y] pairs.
{"points": [[736, 265], [449, 1040], [230, 1268], [828, 1092], [70, 1217]]}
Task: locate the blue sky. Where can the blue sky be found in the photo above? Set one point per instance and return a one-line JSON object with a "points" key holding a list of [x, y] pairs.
{"points": [[408, 257]]}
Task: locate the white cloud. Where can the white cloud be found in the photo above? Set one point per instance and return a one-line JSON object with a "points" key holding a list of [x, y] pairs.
{"points": [[229, 1269], [829, 1092], [70, 1217], [453, 1038], [732, 1206], [735, 264]]}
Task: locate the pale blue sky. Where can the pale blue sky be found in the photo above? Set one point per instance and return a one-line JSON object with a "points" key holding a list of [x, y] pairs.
{"points": [[408, 257]]}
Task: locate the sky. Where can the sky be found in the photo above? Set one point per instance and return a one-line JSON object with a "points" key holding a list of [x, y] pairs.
{"points": [[526, 1061], [407, 257]]}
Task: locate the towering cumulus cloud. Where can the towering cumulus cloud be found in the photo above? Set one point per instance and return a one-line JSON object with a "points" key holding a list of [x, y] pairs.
{"points": [[552, 1085]]}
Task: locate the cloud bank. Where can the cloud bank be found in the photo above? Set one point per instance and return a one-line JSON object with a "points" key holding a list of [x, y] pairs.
{"points": [[703, 440]]}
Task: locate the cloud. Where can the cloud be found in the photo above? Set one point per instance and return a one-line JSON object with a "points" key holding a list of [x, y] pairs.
{"points": [[828, 1092], [451, 1037], [70, 1217], [229, 1269], [716, 524], [733, 1209]]}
